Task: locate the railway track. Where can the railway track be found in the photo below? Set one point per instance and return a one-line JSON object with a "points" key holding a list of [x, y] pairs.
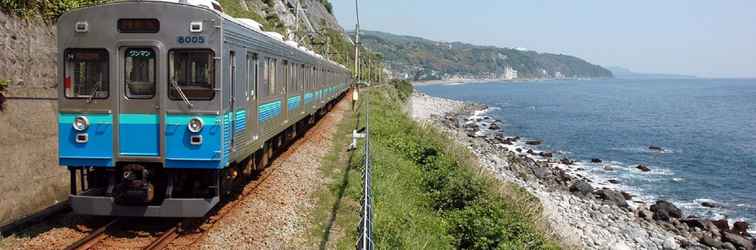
{"points": [[93, 238], [194, 230]]}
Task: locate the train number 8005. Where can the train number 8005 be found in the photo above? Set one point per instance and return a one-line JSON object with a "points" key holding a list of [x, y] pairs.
{"points": [[190, 39]]}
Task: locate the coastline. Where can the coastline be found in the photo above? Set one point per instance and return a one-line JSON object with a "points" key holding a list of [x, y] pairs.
{"points": [[580, 210], [467, 81]]}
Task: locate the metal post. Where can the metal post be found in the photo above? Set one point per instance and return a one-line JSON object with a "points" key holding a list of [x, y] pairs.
{"points": [[357, 42]]}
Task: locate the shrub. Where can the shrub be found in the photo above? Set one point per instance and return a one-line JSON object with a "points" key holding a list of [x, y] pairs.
{"points": [[49, 10], [404, 87], [327, 4], [479, 226], [458, 189]]}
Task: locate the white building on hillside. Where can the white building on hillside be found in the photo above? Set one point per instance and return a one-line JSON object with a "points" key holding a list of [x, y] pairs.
{"points": [[510, 73]]}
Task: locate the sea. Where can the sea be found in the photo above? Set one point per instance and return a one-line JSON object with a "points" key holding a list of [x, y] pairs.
{"points": [[705, 127]]}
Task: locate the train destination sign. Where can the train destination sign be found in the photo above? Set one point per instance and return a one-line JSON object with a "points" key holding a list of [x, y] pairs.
{"points": [[138, 25]]}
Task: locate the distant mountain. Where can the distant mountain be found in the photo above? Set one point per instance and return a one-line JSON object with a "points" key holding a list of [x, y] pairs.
{"points": [[416, 58], [623, 73]]}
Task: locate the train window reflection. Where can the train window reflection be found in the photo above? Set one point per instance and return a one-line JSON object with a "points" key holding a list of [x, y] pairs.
{"points": [[140, 73], [193, 72], [86, 74]]}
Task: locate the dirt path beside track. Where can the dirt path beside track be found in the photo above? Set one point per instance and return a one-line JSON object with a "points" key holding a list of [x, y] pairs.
{"points": [[275, 214]]}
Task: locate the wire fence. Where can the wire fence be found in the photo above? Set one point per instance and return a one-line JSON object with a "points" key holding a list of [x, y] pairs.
{"points": [[365, 241]]}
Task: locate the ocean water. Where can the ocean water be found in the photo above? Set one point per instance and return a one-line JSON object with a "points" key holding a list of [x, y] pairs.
{"points": [[707, 128]]}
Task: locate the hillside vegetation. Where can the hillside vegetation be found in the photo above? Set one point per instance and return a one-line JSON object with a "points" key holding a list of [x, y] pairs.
{"points": [[416, 58]]}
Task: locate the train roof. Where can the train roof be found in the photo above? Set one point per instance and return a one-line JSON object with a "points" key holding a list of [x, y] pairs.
{"points": [[250, 24]]}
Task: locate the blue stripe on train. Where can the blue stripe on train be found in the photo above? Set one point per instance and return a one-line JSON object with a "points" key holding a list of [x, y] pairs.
{"points": [[180, 153], [226, 139], [293, 102], [268, 111], [308, 97], [139, 134], [96, 152], [240, 121]]}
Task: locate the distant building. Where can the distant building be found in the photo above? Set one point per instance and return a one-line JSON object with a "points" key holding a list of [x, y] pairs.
{"points": [[509, 73]]}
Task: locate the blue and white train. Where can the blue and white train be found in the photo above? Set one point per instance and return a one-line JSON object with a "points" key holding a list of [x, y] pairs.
{"points": [[165, 105]]}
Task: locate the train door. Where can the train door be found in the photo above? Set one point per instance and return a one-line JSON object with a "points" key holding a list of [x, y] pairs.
{"points": [[138, 120], [251, 95], [232, 105], [285, 93]]}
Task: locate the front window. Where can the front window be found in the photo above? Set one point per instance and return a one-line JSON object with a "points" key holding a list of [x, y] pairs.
{"points": [[86, 73], [140, 73], [193, 71]]}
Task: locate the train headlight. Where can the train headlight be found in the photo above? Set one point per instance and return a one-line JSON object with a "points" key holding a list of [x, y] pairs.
{"points": [[195, 124], [81, 123]]}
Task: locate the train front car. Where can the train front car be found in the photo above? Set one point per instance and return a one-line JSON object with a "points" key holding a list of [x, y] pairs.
{"points": [[140, 123]]}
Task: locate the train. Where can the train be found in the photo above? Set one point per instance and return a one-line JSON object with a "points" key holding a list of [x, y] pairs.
{"points": [[165, 105]]}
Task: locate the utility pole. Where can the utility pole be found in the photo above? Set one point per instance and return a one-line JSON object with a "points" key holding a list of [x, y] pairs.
{"points": [[357, 42], [369, 69]]}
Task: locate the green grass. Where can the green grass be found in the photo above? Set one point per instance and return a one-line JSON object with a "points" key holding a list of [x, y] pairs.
{"points": [[49, 10], [334, 218], [429, 192]]}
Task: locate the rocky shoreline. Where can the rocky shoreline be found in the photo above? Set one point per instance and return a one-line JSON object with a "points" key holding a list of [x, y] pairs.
{"points": [[582, 212]]}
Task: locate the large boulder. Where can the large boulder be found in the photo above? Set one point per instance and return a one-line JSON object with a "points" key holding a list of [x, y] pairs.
{"points": [[566, 161], [644, 213], [710, 204], [542, 172], [613, 197], [740, 227], [664, 210], [729, 246], [643, 168], [534, 142], [627, 195], [562, 176], [670, 244], [721, 224], [738, 241], [694, 222], [711, 241], [595, 160], [581, 188]]}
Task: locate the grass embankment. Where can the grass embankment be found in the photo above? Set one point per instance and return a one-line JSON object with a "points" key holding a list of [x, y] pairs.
{"points": [[428, 191]]}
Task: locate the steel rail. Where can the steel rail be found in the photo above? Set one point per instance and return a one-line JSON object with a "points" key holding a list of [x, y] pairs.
{"points": [[93, 238]]}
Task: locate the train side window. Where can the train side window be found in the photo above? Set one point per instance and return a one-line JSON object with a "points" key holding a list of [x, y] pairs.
{"points": [[293, 81], [252, 74], [262, 89], [302, 79], [192, 72], [285, 76], [272, 77], [86, 73], [139, 73]]}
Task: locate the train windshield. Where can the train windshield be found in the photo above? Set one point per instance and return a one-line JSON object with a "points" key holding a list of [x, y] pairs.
{"points": [[140, 73], [193, 72], [86, 73]]}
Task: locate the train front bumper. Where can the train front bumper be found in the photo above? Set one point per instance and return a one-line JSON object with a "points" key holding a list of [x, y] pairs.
{"points": [[170, 207]]}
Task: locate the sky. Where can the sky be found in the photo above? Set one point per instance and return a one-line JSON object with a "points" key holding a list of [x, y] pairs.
{"points": [[705, 38]]}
